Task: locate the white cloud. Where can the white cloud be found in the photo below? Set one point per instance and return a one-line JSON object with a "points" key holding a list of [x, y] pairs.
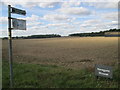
{"points": [[75, 11], [48, 4], [9, 2], [107, 5], [40, 3], [94, 25], [56, 17], [34, 24], [110, 16], [32, 3], [57, 24], [113, 23], [60, 26], [3, 20], [93, 21], [70, 3], [33, 18], [52, 3]]}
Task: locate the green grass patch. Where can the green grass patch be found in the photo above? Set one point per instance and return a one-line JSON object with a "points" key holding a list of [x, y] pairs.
{"points": [[52, 76]]}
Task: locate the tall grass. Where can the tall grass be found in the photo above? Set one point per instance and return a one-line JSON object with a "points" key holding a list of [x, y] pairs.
{"points": [[52, 76]]}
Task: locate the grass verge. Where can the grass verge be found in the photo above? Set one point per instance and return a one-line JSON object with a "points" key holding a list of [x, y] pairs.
{"points": [[51, 76]]}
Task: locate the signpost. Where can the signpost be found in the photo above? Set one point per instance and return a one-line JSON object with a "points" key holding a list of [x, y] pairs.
{"points": [[103, 71], [18, 11], [17, 24]]}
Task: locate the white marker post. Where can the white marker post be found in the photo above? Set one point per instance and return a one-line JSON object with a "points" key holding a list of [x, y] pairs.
{"points": [[21, 24]]}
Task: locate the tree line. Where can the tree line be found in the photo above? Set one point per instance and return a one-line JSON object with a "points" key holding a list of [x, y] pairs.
{"points": [[44, 36], [93, 34], [36, 36]]}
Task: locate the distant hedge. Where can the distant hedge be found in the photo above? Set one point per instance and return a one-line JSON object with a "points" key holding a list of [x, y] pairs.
{"points": [[93, 34], [36, 36], [44, 36]]}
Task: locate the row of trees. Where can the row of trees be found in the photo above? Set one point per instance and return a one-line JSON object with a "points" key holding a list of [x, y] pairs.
{"points": [[44, 36], [36, 36], [93, 34]]}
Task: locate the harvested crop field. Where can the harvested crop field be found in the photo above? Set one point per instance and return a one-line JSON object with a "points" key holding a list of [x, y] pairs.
{"points": [[69, 52]]}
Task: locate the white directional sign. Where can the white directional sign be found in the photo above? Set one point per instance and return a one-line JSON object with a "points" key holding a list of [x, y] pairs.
{"points": [[19, 24]]}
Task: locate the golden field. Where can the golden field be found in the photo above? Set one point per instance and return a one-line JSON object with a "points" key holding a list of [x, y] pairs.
{"points": [[69, 52]]}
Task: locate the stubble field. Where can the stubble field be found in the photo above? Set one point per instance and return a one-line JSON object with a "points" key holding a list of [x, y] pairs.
{"points": [[68, 52]]}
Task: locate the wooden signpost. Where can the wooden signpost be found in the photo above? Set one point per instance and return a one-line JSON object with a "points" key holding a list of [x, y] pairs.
{"points": [[16, 25]]}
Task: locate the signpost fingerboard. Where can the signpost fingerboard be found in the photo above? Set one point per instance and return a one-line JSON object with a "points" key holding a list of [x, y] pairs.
{"points": [[19, 24], [18, 11]]}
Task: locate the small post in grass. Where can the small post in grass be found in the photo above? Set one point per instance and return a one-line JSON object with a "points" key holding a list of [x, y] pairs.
{"points": [[103, 71]]}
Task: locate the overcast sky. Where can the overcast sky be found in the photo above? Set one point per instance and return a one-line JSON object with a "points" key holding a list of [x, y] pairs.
{"points": [[64, 18]]}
